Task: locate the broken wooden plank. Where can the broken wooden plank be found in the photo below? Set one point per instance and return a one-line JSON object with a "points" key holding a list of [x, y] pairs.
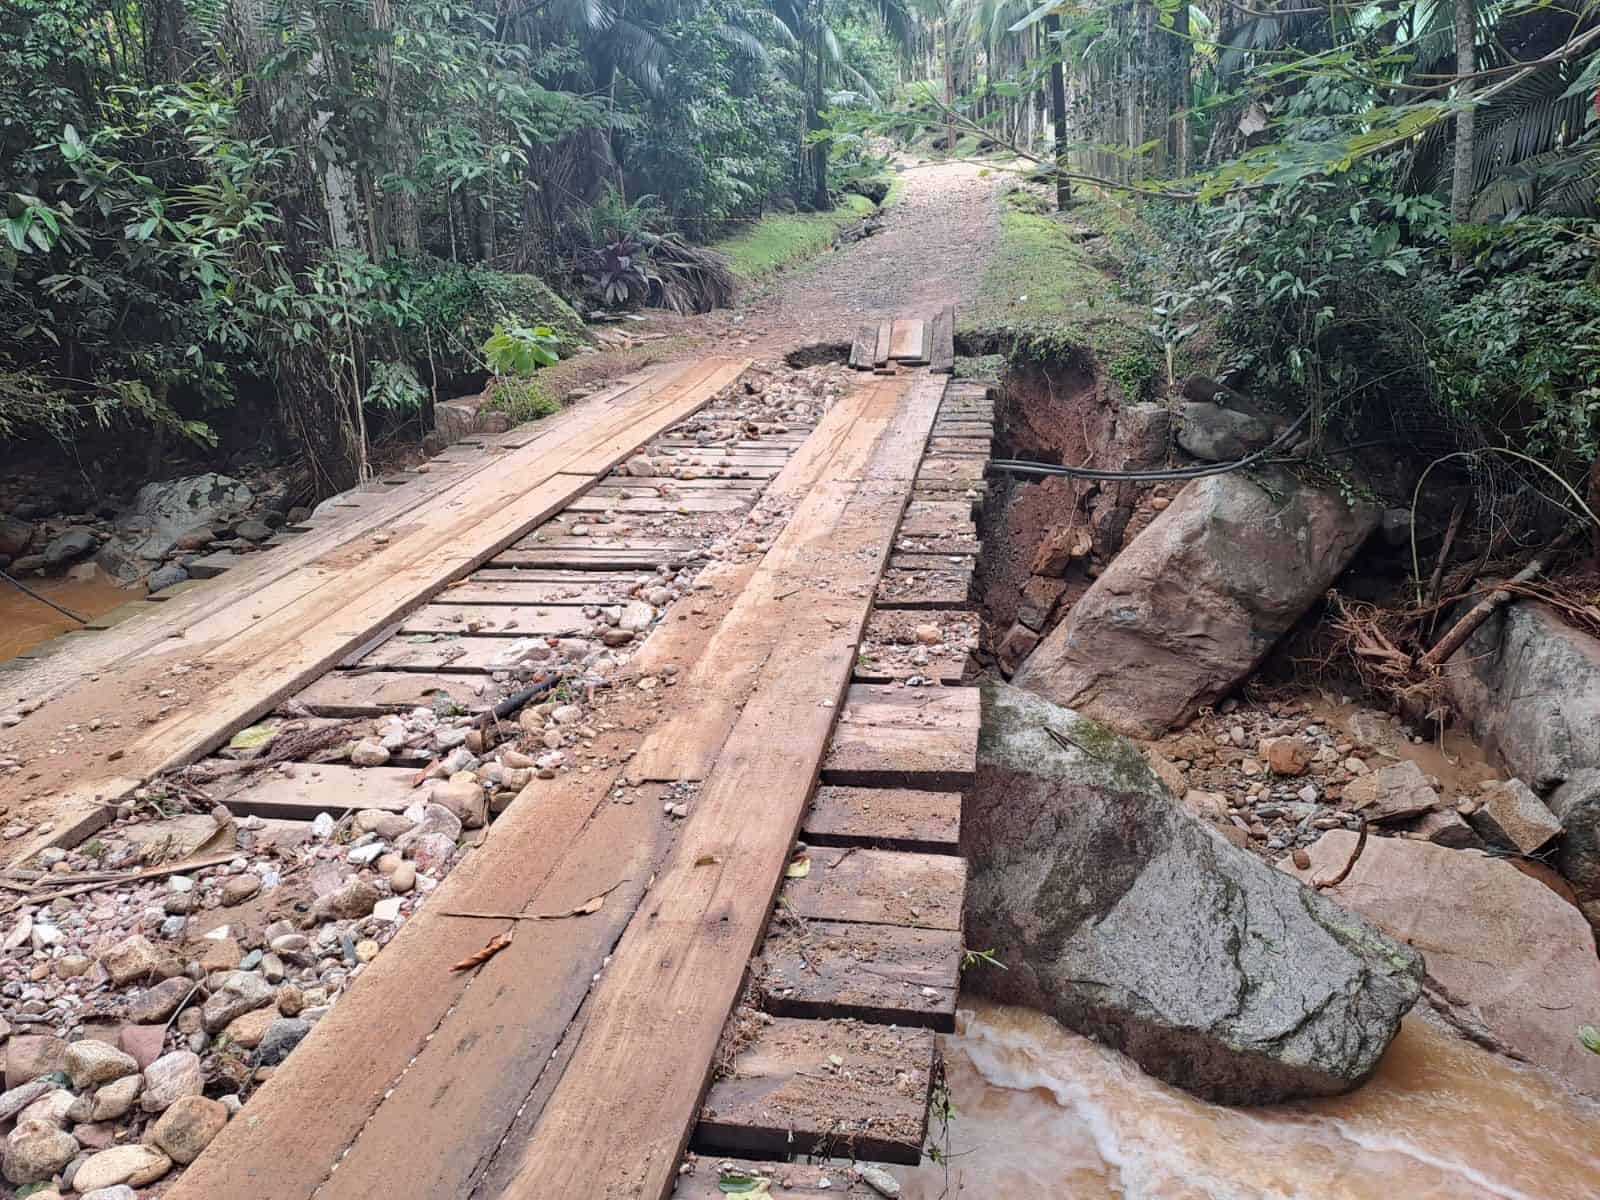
{"points": [[327, 787], [837, 1087], [883, 973], [885, 818], [942, 358], [881, 887], [863, 348], [905, 342], [371, 693]]}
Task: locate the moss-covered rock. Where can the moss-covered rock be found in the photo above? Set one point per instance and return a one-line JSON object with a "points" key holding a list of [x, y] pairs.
{"points": [[1125, 918]]}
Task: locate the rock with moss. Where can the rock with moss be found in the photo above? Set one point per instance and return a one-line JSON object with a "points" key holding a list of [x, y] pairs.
{"points": [[1192, 605], [1125, 918]]}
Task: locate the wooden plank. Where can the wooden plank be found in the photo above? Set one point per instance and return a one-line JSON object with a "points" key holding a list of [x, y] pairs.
{"points": [[942, 359], [588, 587], [905, 342], [588, 558], [950, 469], [326, 787], [939, 518], [862, 349], [952, 709], [890, 756], [882, 973], [494, 620], [369, 693], [885, 818], [425, 1109], [786, 1096], [659, 504], [471, 655], [881, 887], [639, 1064], [710, 695], [785, 1181], [880, 351], [945, 446]]}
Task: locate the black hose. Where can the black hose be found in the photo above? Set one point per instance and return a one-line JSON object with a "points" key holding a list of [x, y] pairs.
{"points": [[65, 612], [1012, 466]]}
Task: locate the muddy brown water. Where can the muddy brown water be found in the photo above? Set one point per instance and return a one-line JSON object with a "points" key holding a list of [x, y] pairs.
{"points": [[25, 623], [1042, 1114]]}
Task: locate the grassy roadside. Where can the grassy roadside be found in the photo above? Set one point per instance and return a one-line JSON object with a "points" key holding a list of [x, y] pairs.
{"points": [[780, 240], [1046, 292]]}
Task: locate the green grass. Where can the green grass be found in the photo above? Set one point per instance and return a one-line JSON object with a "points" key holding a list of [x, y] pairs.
{"points": [[781, 240], [1043, 296], [522, 399]]}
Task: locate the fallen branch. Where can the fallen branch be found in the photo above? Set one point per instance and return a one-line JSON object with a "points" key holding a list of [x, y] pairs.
{"points": [[1485, 608], [1449, 544], [1361, 844], [174, 868]]}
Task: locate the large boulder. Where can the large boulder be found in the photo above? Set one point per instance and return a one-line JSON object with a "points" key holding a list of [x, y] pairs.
{"points": [[15, 535], [1125, 918], [1529, 686], [162, 512], [1219, 434], [1194, 602], [1576, 804], [1510, 962]]}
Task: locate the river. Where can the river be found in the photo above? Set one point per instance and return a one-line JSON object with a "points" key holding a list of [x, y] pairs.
{"points": [[25, 623], [1042, 1114]]}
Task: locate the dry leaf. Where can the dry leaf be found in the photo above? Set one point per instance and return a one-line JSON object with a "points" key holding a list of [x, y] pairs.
{"points": [[592, 905], [492, 947], [421, 776], [800, 867], [707, 860]]}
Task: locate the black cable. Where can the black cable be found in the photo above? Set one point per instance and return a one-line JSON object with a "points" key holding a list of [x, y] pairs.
{"points": [[65, 612], [1012, 466]]}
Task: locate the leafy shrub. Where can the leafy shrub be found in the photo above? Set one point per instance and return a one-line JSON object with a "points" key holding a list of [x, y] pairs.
{"points": [[521, 399], [517, 349]]}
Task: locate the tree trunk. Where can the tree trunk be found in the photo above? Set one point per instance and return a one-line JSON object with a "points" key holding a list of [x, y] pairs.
{"points": [[1058, 109], [1181, 94], [949, 90], [1461, 180], [819, 152]]}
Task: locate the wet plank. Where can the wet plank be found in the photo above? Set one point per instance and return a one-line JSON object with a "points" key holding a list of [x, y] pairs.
{"points": [[880, 887], [789, 1095], [882, 973], [885, 819]]}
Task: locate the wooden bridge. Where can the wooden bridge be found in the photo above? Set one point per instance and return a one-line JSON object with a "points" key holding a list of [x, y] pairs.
{"points": [[759, 982]]}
